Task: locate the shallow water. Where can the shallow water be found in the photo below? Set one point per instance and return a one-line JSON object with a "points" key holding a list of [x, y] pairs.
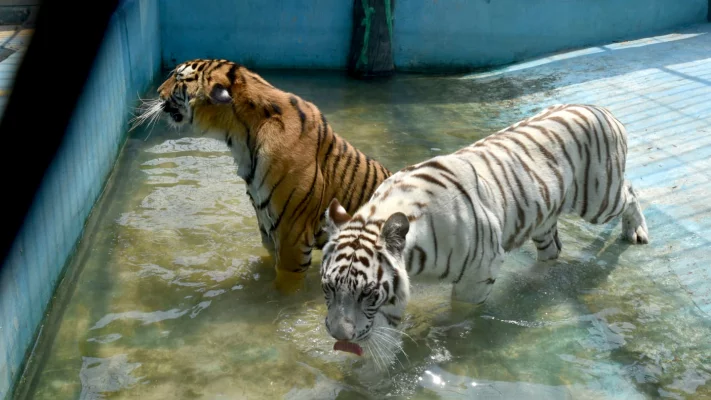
{"points": [[169, 294]]}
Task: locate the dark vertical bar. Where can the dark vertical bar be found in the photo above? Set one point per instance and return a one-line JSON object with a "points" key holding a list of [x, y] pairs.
{"points": [[371, 52], [47, 87]]}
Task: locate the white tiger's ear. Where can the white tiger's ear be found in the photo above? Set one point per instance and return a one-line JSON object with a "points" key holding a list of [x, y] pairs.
{"points": [[336, 216], [220, 95], [394, 232]]}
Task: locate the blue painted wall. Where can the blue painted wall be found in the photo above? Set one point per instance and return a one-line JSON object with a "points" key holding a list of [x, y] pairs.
{"points": [[428, 34], [261, 33], [128, 60], [432, 34]]}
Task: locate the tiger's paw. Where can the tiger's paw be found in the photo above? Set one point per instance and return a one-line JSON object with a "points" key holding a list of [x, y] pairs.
{"points": [[548, 246], [549, 254], [265, 261], [634, 225], [457, 320], [635, 233], [462, 310], [288, 282]]}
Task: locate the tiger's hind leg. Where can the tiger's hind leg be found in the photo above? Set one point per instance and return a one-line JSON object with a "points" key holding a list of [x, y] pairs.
{"points": [[634, 225], [548, 243]]}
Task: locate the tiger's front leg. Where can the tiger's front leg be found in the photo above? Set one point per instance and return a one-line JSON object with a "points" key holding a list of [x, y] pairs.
{"points": [[293, 260], [471, 292], [548, 244], [267, 242]]}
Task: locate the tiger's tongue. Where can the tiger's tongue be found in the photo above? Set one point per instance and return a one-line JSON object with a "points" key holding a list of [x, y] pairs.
{"points": [[348, 347]]}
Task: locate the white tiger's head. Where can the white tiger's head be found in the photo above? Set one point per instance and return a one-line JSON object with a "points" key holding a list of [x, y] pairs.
{"points": [[363, 277]]}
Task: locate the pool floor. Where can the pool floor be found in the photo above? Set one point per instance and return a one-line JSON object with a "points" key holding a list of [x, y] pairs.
{"points": [[169, 294]]}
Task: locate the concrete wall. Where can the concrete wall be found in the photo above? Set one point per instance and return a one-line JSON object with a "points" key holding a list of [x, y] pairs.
{"points": [[462, 34], [4, 3], [128, 60], [428, 34], [264, 33], [16, 12]]}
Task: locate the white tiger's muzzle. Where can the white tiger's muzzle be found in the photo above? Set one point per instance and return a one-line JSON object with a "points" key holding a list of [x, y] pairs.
{"points": [[341, 319]]}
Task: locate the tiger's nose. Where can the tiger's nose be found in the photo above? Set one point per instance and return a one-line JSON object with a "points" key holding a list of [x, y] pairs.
{"points": [[344, 330], [173, 111]]}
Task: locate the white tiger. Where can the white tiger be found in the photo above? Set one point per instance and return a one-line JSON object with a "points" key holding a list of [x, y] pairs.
{"points": [[453, 217]]}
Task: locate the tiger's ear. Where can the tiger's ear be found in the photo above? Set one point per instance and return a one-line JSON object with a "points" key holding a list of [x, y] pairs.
{"points": [[336, 216], [394, 232], [220, 95]]}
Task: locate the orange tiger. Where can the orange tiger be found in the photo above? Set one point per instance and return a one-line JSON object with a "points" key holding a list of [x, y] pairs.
{"points": [[286, 152]]}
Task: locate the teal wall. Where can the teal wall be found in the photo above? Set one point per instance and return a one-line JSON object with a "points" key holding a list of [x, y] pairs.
{"points": [[261, 33], [428, 35], [126, 64], [465, 34]]}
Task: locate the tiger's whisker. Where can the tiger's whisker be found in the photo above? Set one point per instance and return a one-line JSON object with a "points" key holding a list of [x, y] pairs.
{"points": [[382, 357], [398, 331], [387, 349], [148, 111], [378, 356], [376, 350], [384, 342], [386, 338], [392, 341], [372, 355]]}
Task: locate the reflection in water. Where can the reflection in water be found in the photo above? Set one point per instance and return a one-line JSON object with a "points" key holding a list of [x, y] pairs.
{"points": [[146, 318], [100, 376], [171, 294]]}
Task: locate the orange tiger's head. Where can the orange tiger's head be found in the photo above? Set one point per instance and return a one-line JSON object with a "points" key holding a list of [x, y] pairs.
{"points": [[208, 94]]}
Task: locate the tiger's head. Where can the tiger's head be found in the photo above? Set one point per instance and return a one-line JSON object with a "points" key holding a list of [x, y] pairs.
{"points": [[363, 277], [199, 92], [193, 85]]}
